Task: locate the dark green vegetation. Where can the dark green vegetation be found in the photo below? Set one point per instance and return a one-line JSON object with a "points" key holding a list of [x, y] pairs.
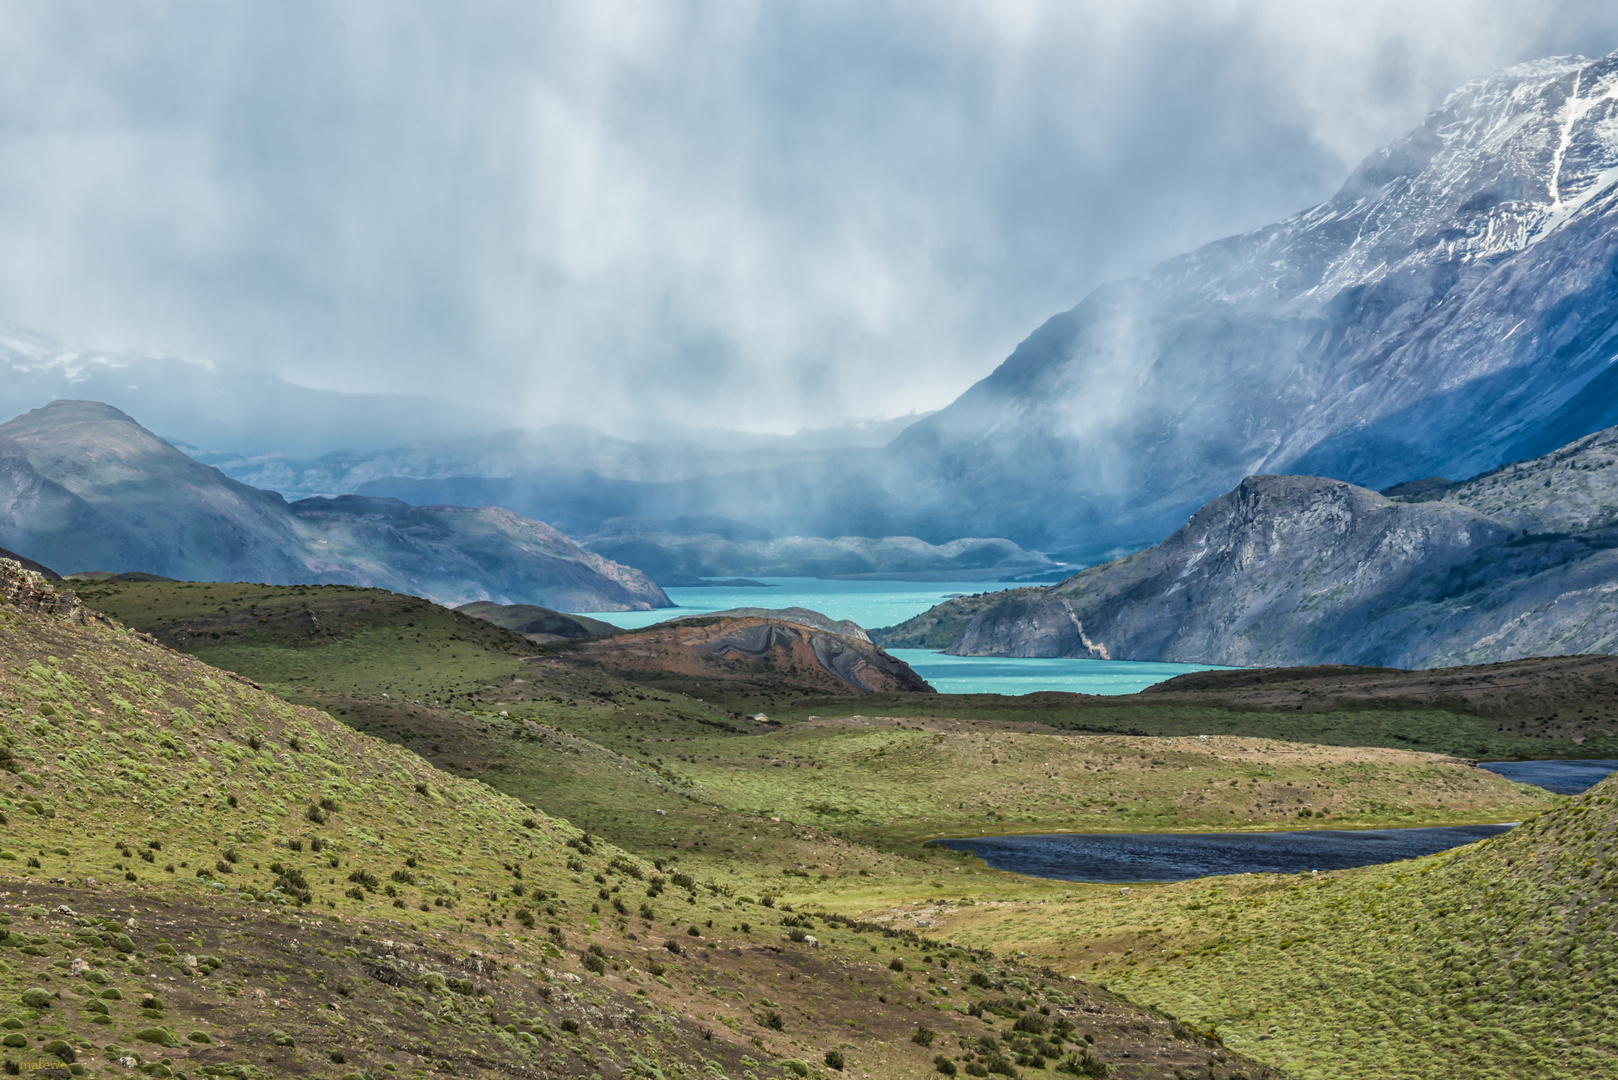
{"points": [[316, 902], [1498, 959], [83, 487]]}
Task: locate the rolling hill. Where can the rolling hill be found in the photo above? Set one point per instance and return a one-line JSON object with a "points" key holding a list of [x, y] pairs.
{"points": [[203, 879]]}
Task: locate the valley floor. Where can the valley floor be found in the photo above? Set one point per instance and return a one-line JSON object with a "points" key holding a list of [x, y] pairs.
{"points": [[824, 808]]}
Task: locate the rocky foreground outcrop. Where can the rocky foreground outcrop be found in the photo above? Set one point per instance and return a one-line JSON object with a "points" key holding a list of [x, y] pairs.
{"points": [[30, 590], [754, 649], [1521, 561]]}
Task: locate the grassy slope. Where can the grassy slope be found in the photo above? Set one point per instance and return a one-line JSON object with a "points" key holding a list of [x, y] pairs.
{"points": [[1509, 731], [406, 647], [609, 754], [1494, 960], [121, 747]]}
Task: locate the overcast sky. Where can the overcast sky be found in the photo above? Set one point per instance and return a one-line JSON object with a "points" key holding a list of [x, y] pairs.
{"points": [[765, 215]]}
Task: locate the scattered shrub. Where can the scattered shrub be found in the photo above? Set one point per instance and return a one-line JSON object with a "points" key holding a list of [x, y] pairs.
{"points": [[896, 964], [944, 1065], [162, 1036], [924, 1036], [773, 1020], [60, 1050], [835, 1060]]}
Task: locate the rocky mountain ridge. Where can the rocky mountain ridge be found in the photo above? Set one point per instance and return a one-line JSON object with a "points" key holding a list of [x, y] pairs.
{"points": [[1448, 310], [85, 487], [1288, 570]]}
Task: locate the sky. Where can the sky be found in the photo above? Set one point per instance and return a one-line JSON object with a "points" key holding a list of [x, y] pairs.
{"points": [[766, 216]]}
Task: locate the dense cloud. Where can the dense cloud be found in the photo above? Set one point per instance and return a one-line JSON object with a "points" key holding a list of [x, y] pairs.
{"points": [[756, 215]]}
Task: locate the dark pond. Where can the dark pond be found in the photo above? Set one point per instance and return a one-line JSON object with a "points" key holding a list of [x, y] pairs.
{"points": [[1124, 857], [1562, 777]]}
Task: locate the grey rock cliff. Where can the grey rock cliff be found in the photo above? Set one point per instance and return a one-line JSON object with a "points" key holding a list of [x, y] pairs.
{"points": [[1451, 308], [1521, 561]]}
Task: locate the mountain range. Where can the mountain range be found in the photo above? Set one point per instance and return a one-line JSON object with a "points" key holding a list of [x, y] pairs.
{"points": [[1519, 561], [83, 487], [1450, 309]]}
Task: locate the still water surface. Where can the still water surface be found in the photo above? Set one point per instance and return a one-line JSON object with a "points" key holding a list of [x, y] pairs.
{"points": [[1130, 857], [1562, 777], [885, 603]]}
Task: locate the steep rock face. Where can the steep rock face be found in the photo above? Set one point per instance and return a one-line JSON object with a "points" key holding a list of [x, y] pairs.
{"points": [[1517, 562], [29, 590], [85, 487], [1268, 574], [1450, 308]]}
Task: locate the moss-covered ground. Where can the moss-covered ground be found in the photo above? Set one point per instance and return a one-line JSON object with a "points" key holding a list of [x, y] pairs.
{"points": [[301, 899], [1456, 966], [1498, 959]]}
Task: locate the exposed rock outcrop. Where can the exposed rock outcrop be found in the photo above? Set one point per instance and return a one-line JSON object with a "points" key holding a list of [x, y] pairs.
{"points": [[754, 649], [801, 616], [1521, 561], [31, 591]]}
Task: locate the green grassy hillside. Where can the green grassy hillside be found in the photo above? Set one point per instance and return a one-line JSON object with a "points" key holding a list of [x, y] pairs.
{"points": [[609, 754], [1493, 960], [207, 880]]}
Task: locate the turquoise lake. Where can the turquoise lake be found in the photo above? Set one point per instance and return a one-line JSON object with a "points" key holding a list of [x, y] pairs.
{"points": [[884, 603]]}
